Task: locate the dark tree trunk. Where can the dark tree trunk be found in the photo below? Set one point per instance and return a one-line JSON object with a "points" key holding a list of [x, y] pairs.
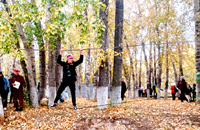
{"points": [[175, 73], [140, 72], [102, 90], [117, 69], [197, 46], [57, 66], [42, 68]]}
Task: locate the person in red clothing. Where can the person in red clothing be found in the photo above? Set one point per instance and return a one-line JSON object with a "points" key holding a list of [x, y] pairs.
{"points": [[173, 92], [18, 83]]}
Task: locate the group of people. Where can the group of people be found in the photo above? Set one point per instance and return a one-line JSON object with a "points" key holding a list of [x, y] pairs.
{"points": [[184, 89], [16, 84]]}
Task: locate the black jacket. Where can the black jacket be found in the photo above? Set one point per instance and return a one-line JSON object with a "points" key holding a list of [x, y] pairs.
{"points": [[72, 68], [123, 89]]}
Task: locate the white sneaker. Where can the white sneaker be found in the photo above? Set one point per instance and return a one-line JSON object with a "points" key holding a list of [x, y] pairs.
{"points": [[5, 109]]}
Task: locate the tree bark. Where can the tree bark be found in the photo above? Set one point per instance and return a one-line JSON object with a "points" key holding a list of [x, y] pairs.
{"points": [[150, 67], [79, 79], [117, 69], [154, 81], [180, 61], [57, 67], [51, 78], [197, 46], [42, 67], [87, 75], [167, 63], [102, 90], [136, 78], [159, 58], [140, 72], [30, 57], [175, 73], [95, 86], [127, 74], [145, 56]]}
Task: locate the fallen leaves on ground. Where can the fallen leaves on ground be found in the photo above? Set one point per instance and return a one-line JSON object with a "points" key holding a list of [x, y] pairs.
{"points": [[138, 114]]}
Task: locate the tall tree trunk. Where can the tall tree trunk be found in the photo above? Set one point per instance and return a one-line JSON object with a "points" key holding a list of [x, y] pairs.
{"points": [[117, 69], [30, 57], [159, 57], [110, 72], [52, 78], [24, 68], [95, 86], [180, 61], [140, 72], [150, 67], [95, 82], [154, 81], [42, 67], [145, 56], [87, 75], [79, 79], [167, 63], [197, 46], [136, 78], [102, 90], [51, 64], [147, 71], [131, 71], [57, 67], [29, 79], [175, 73]]}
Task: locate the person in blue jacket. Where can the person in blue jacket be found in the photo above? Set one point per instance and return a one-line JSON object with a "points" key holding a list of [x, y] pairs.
{"points": [[4, 89]]}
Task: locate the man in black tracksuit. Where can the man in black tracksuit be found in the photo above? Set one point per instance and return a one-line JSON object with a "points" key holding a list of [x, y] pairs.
{"points": [[123, 89], [69, 76]]}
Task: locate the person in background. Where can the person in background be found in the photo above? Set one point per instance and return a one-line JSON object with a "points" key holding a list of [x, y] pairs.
{"points": [[182, 87], [18, 91], [188, 92], [155, 91], [173, 91], [11, 93], [140, 90], [4, 89], [194, 91], [123, 89], [38, 86]]}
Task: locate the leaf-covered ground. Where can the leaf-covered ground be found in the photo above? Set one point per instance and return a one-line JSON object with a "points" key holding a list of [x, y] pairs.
{"points": [[138, 114]]}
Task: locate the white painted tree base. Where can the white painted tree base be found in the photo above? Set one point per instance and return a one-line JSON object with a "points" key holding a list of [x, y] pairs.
{"points": [[130, 94], [102, 97], [148, 93], [87, 92], [158, 93], [52, 95], [1, 108], [136, 93], [115, 96], [94, 96], [34, 97], [166, 94]]}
